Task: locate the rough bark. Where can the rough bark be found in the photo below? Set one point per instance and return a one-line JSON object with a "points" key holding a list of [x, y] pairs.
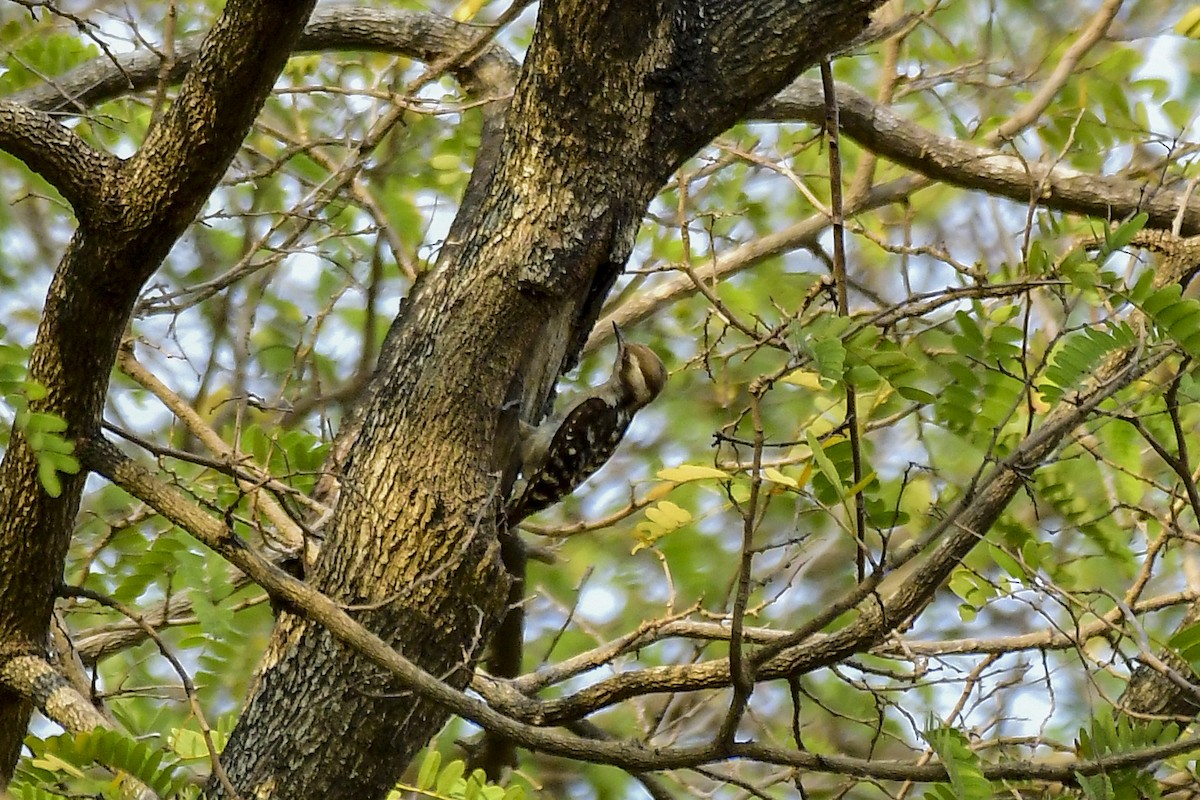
{"points": [[634, 756], [412, 549], [976, 165], [612, 97], [130, 215]]}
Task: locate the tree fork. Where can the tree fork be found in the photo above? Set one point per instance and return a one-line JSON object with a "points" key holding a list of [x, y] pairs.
{"points": [[589, 139]]}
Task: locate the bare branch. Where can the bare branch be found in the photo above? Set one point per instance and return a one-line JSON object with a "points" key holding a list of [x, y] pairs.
{"points": [[424, 36], [1089, 37], [33, 677], [804, 233], [189, 688], [68, 163], [98, 643], [963, 527], [973, 166], [251, 479], [144, 207], [635, 756]]}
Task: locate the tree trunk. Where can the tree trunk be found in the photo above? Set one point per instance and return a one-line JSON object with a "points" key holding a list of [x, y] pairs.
{"points": [[612, 97], [130, 214]]}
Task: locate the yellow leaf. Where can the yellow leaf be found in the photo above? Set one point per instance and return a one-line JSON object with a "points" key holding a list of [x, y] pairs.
{"points": [[51, 762], [858, 487], [445, 161], [660, 520], [775, 476], [302, 66], [467, 10], [804, 378], [1189, 23], [691, 472], [669, 515]]}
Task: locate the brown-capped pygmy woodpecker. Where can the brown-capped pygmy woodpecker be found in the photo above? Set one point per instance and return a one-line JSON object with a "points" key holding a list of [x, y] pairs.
{"points": [[566, 449]]}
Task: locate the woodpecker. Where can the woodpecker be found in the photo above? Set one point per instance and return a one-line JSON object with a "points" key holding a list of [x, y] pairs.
{"points": [[564, 451]]}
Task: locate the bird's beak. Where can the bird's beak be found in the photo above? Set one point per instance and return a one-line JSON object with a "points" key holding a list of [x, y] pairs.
{"points": [[620, 337]]}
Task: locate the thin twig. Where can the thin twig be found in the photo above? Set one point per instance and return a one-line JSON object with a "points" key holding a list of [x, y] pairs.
{"points": [[843, 310], [189, 688]]}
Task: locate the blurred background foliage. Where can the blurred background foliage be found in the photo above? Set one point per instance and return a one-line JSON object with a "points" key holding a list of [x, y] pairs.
{"points": [[268, 315]]}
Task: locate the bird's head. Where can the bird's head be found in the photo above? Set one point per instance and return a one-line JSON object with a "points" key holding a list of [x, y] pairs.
{"points": [[639, 371]]}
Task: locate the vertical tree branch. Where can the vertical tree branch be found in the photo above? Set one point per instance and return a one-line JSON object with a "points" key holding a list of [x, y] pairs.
{"points": [[142, 208], [832, 134]]}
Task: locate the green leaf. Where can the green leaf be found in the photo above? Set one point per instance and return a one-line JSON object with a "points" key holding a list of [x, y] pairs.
{"points": [[45, 423], [1142, 289], [1007, 563], [474, 786], [1186, 642], [427, 775], [824, 464], [1166, 296], [48, 477], [916, 395], [962, 764], [1116, 239], [1078, 355], [450, 775]]}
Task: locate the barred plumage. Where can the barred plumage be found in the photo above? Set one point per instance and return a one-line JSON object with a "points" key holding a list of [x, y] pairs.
{"points": [[566, 450]]}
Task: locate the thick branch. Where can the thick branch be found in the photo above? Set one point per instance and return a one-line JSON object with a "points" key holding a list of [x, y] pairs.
{"points": [[589, 140], [733, 55], [138, 216], [420, 35], [187, 152], [64, 160], [33, 678], [973, 166], [426, 36], [173, 504], [99, 643], [964, 527], [491, 74], [661, 630], [53, 695], [103, 458]]}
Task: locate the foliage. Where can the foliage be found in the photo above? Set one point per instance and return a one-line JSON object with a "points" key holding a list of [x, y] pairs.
{"points": [[451, 782], [975, 318], [42, 431], [1109, 736], [69, 760], [962, 766]]}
